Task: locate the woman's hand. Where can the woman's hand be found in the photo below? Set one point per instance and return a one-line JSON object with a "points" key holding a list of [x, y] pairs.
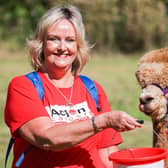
{"points": [[119, 120]]}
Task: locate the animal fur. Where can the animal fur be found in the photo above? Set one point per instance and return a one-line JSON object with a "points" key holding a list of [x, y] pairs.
{"points": [[152, 76], [153, 68]]}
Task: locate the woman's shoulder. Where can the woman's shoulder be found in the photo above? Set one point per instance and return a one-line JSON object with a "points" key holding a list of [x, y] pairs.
{"points": [[17, 79], [20, 80]]}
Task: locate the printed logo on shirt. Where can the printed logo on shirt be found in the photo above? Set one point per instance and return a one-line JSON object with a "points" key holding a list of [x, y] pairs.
{"points": [[62, 113]]}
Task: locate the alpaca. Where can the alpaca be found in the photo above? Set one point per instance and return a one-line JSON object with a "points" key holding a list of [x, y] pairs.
{"points": [[154, 104], [152, 76]]}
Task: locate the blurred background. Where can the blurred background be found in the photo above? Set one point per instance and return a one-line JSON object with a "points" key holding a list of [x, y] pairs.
{"points": [[121, 31], [125, 25]]}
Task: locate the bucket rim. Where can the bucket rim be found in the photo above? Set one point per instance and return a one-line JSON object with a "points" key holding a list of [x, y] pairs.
{"points": [[117, 158]]}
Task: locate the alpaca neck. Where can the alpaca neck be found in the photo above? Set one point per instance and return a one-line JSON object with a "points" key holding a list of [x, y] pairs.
{"points": [[160, 140]]}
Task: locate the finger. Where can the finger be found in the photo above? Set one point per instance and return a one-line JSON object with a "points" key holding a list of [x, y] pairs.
{"points": [[127, 127], [134, 122], [130, 126]]}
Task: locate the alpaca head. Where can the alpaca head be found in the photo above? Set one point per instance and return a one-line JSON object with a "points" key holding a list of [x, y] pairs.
{"points": [[152, 75], [153, 102]]}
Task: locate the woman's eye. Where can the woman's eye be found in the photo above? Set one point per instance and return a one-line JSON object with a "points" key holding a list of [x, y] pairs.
{"points": [[70, 40], [52, 38]]}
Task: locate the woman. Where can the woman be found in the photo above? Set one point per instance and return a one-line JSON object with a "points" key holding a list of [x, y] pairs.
{"points": [[65, 127]]}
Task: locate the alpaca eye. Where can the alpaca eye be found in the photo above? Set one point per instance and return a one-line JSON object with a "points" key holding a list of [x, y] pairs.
{"points": [[149, 99]]}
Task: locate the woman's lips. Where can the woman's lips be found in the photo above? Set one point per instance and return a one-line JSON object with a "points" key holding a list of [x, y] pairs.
{"points": [[61, 55]]}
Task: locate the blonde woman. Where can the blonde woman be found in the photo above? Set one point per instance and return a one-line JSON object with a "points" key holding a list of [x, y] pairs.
{"points": [[64, 129]]}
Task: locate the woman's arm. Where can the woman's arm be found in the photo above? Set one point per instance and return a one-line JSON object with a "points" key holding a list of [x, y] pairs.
{"points": [[42, 132]]}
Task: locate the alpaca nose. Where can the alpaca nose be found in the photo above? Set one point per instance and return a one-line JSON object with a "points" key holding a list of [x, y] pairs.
{"points": [[145, 100]]}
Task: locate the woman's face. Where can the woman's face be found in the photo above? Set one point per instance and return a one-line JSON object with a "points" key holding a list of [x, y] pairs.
{"points": [[60, 46]]}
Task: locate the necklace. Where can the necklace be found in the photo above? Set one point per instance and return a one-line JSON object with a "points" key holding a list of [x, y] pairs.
{"points": [[69, 103], [70, 106]]}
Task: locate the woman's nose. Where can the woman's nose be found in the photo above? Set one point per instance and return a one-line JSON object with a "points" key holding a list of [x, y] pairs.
{"points": [[61, 45]]}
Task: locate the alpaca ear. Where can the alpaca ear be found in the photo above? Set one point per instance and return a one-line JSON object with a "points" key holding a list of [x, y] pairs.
{"points": [[138, 77]]}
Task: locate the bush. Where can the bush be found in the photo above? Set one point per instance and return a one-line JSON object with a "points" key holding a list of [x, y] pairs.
{"points": [[127, 25], [141, 24]]}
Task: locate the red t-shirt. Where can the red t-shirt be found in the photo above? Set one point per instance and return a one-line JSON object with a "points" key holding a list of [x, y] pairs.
{"points": [[24, 104]]}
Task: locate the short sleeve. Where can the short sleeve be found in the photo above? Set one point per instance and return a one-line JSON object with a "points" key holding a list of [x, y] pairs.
{"points": [[23, 103], [109, 137]]}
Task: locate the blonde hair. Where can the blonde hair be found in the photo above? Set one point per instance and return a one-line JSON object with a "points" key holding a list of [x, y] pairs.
{"points": [[35, 45]]}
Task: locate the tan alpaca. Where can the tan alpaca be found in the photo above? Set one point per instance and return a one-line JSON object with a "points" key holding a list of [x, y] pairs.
{"points": [[152, 75]]}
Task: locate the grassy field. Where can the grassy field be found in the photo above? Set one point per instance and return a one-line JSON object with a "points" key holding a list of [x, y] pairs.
{"points": [[115, 72]]}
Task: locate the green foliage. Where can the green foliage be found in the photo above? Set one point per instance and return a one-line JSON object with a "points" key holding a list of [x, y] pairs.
{"points": [[127, 25], [100, 22], [141, 24], [20, 18]]}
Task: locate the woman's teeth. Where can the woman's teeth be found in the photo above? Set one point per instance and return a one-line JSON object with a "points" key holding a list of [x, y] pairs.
{"points": [[62, 55]]}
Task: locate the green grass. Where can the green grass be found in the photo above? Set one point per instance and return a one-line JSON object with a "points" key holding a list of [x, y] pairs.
{"points": [[12, 63], [116, 74]]}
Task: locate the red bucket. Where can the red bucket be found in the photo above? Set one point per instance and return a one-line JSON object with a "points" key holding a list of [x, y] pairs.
{"points": [[139, 158]]}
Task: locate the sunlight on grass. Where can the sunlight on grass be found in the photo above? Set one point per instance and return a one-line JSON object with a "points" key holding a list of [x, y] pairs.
{"points": [[114, 72], [140, 137], [12, 63]]}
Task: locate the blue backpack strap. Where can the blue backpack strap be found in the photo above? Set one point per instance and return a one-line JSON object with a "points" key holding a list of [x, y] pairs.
{"points": [[22, 156], [11, 142], [35, 79], [92, 89]]}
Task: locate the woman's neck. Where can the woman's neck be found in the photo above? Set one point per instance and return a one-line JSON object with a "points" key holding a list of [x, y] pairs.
{"points": [[60, 79]]}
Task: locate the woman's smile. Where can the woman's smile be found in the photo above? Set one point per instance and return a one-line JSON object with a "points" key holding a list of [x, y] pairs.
{"points": [[62, 54], [60, 46]]}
